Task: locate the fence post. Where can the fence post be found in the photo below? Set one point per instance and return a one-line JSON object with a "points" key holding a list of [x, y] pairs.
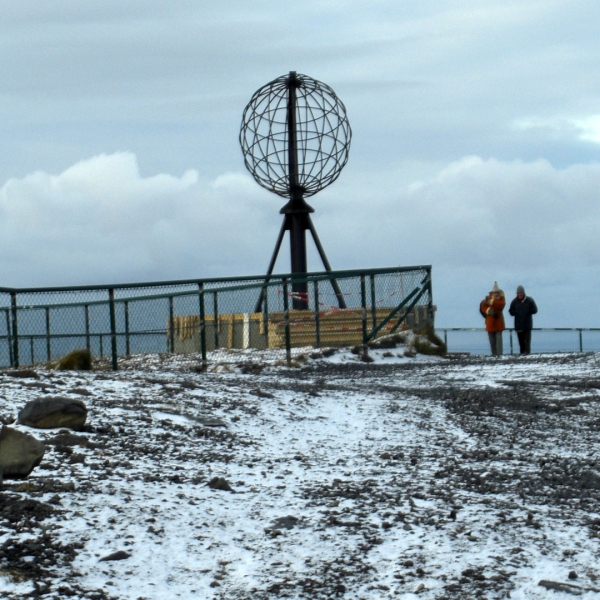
{"points": [[216, 319], [581, 340], [48, 349], [9, 338], [430, 299], [171, 326], [317, 314], [127, 343], [286, 321], [511, 341], [202, 323], [87, 327], [32, 350], [446, 338], [373, 303], [363, 302], [113, 328], [265, 309], [15, 329]]}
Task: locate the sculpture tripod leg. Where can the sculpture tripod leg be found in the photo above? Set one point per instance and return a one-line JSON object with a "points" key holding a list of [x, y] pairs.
{"points": [[285, 226]]}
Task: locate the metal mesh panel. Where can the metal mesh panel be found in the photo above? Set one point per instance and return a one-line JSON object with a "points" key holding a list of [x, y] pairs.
{"points": [[40, 325]]}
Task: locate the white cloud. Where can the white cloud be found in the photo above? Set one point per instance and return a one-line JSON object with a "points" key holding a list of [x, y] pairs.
{"points": [[475, 221], [101, 221]]}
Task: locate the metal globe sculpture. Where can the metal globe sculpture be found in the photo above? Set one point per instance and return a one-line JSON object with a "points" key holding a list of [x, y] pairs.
{"points": [[295, 133], [295, 138]]}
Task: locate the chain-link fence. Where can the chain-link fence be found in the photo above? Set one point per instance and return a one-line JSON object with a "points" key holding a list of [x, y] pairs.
{"points": [[558, 339], [212, 316]]}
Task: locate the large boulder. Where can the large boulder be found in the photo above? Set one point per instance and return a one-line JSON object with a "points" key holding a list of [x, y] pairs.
{"points": [[19, 453], [51, 412]]}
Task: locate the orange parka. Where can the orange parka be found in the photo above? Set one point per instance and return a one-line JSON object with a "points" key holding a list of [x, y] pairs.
{"points": [[491, 308]]}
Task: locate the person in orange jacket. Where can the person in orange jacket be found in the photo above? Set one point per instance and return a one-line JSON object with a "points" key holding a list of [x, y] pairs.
{"points": [[491, 308]]}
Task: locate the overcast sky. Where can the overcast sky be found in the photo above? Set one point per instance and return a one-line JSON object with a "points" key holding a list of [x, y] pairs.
{"points": [[476, 143]]}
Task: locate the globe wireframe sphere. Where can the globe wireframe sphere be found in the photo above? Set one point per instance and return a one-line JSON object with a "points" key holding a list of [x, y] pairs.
{"points": [[323, 135]]}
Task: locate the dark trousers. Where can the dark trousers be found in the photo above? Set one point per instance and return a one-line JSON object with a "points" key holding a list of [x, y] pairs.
{"points": [[495, 342], [524, 341]]}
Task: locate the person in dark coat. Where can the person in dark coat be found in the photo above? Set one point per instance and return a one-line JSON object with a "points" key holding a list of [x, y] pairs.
{"points": [[522, 308]]}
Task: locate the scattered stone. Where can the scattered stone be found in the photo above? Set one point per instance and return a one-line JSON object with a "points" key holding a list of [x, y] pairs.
{"points": [[288, 522], [559, 586], [220, 483], [209, 421], [261, 394], [20, 452], [251, 368], [118, 555], [81, 391], [24, 373], [66, 438], [385, 455], [52, 412], [573, 575]]}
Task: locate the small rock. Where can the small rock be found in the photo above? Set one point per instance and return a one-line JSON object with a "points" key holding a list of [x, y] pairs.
{"points": [[81, 391], [573, 575], [66, 438], [25, 373], [288, 522], [219, 483], [261, 393], [118, 555]]}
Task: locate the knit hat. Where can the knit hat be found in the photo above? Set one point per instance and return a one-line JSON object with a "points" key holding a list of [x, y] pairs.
{"points": [[495, 289], [520, 290]]}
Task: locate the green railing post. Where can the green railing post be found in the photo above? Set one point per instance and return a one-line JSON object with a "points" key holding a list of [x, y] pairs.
{"points": [[171, 326], [87, 327], [511, 341], [265, 309], [216, 319], [373, 303], [101, 346], [127, 342], [363, 303], [581, 340], [48, 349], [317, 314], [430, 299], [32, 350], [286, 321], [202, 322], [446, 338], [9, 338], [15, 329], [113, 328]]}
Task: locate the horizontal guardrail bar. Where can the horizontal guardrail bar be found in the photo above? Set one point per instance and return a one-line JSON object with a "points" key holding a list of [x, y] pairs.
{"points": [[177, 282]]}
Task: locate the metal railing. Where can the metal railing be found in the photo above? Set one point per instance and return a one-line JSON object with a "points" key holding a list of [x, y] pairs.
{"points": [[211, 316], [474, 340]]}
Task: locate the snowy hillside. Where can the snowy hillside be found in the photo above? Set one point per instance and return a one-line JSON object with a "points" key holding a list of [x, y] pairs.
{"points": [[404, 478]]}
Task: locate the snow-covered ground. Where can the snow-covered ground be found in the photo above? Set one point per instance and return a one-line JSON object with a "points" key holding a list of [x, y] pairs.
{"points": [[402, 478]]}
